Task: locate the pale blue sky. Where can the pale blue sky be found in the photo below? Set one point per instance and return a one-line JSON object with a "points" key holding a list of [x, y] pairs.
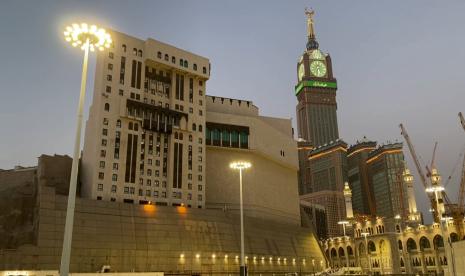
{"points": [[395, 61]]}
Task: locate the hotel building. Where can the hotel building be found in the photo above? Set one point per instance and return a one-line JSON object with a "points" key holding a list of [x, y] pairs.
{"points": [[144, 138]]}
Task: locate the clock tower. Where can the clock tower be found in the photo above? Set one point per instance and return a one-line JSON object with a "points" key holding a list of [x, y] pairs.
{"points": [[322, 155], [316, 92]]}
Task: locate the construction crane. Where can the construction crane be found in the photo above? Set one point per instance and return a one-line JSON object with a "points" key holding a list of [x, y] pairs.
{"points": [[456, 211], [420, 171], [462, 121], [461, 196], [428, 169]]}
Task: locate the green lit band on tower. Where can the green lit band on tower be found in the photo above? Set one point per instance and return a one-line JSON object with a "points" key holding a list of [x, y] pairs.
{"points": [[312, 83]]}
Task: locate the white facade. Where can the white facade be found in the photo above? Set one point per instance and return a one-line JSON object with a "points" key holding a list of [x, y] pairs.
{"points": [[144, 136]]}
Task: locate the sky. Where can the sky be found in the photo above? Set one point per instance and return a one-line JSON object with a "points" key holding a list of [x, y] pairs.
{"points": [[395, 61]]}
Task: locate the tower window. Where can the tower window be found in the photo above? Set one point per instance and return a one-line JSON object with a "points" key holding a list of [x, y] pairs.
{"points": [[107, 107]]}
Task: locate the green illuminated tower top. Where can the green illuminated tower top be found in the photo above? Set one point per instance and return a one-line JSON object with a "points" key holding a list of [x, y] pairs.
{"points": [[316, 92]]}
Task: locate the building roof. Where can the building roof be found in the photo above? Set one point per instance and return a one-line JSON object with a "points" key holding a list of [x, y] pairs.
{"points": [[362, 144], [386, 147], [329, 146]]}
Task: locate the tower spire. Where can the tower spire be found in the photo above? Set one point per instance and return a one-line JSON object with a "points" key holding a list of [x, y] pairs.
{"points": [[310, 31], [311, 42]]}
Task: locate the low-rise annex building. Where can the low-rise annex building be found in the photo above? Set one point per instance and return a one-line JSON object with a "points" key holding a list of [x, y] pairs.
{"points": [[391, 246]]}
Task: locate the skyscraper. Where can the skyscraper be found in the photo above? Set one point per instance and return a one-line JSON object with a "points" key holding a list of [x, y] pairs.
{"points": [[362, 194], [385, 175], [323, 162]]}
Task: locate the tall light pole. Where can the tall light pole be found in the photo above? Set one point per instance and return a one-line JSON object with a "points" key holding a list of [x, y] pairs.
{"points": [[406, 262], [344, 223], [365, 234], [449, 241], [435, 189], [88, 38], [241, 165]]}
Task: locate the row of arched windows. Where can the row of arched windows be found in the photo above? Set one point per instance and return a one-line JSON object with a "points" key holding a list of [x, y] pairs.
{"points": [[424, 243], [194, 127], [340, 252], [182, 62], [135, 51]]}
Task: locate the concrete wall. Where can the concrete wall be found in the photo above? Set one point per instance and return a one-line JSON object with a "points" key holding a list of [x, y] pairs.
{"points": [[17, 200], [269, 189], [459, 257], [131, 237], [271, 184]]}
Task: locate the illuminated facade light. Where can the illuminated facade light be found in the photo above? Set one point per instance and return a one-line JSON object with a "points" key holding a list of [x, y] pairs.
{"points": [[382, 153], [327, 152]]}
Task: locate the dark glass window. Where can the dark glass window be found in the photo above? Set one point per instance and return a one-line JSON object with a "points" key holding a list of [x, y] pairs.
{"points": [[225, 138], [235, 139], [216, 137], [244, 138]]}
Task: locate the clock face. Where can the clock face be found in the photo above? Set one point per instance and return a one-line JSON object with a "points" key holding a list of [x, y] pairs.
{"points": [[317, 54], [301, 71], [318, 68]]}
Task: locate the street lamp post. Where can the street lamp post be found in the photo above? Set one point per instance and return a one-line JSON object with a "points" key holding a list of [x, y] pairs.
{"points": [[449, 242], [88, 38], [344, 223], [435, 189], [365, 234], [241, 165], [406, 262]]}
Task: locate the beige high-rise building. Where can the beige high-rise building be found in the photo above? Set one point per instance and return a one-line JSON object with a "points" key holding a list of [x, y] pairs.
{"points": [[144, 136]]}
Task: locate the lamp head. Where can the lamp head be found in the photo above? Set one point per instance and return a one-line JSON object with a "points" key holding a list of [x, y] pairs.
{"points": [[240, 165], [80, 34]]}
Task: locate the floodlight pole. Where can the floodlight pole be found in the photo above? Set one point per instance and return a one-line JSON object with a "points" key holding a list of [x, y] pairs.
{"points": [[243, 269], [68, 236]]}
